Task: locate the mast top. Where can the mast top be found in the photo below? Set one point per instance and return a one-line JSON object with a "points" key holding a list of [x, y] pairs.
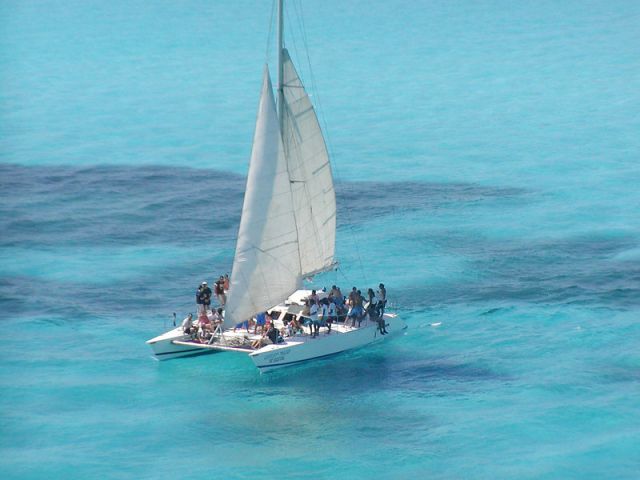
{"points": [[279, 86]]}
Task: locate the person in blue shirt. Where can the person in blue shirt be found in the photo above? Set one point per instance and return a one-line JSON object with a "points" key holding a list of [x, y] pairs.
{"points": [[261, 320]]}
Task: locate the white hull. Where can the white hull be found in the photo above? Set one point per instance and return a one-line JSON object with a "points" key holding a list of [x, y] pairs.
{"points": [[294, 350], [302, 349], [164, 348]]}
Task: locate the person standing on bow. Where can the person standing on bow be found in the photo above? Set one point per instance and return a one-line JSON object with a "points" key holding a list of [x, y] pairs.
{"points": [[199, 298], [219, 289], [382, 299], [372, 305], [205, 297]]}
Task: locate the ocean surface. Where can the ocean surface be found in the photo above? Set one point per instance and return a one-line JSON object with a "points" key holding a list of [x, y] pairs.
{"points": [[487, 160]]}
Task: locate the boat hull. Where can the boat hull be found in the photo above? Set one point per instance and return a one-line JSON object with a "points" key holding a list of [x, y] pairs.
{"points": [[295, 352], [164, 348]]}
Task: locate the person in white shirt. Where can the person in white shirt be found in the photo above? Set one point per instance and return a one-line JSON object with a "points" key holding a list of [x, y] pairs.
{"points": [[187, 324], [332, 315], [315, 323]]}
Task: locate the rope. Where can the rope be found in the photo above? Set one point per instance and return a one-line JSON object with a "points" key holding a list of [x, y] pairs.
{"points": [[320, 111], [266, 53]]}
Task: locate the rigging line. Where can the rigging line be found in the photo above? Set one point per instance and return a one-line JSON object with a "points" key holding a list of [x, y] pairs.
{"points": [[293, 38], [277, 262], [285, 151], [345, 277], [266, 53], [329, 145], [305, 42]]}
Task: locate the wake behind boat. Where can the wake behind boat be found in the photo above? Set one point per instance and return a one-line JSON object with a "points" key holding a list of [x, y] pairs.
{"points": [[287, 233]]}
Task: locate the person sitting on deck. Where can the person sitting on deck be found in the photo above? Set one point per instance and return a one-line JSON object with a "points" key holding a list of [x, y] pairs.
{"points": [[217, 318], [293, 325], [269, 336], [187, 324], [204, 327], [287, 330], [260, 342], [273, 334]]}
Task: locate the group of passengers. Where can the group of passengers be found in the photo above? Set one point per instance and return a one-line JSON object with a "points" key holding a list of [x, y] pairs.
{"points": [[208, 319], [204, 328], [203, 293], [316, 312], [353, 309], [264, 325]]}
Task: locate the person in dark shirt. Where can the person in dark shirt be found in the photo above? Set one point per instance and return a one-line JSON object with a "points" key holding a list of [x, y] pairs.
{"points": [[204, 296], [382, 299], [199, 297], [272, 333]]}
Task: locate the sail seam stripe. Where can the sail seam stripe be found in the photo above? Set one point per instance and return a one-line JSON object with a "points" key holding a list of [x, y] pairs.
{"points": [[333, 215], [324, 165]]}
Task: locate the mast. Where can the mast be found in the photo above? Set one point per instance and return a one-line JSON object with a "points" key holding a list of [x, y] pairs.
{"points": [[280, 86]]}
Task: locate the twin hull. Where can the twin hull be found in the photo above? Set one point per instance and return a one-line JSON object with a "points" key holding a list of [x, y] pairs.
{"points": [[294, 350]]}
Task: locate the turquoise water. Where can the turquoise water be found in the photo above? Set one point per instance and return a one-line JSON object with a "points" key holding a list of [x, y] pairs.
{"points": [[487, 163]]}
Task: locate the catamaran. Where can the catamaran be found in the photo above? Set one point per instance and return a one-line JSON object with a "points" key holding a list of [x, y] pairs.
{"points": [[287, 233]]}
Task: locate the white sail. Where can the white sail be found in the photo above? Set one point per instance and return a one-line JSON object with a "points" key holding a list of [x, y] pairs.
{"points": [[287, 231], [266, 267], [312, 189]]}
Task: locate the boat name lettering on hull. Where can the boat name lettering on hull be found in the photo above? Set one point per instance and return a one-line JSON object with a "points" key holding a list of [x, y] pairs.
{"points": [[277, 357]]}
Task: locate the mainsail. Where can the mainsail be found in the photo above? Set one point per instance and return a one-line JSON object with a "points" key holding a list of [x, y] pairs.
{"points": [[266, 266], [288, 223]]}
